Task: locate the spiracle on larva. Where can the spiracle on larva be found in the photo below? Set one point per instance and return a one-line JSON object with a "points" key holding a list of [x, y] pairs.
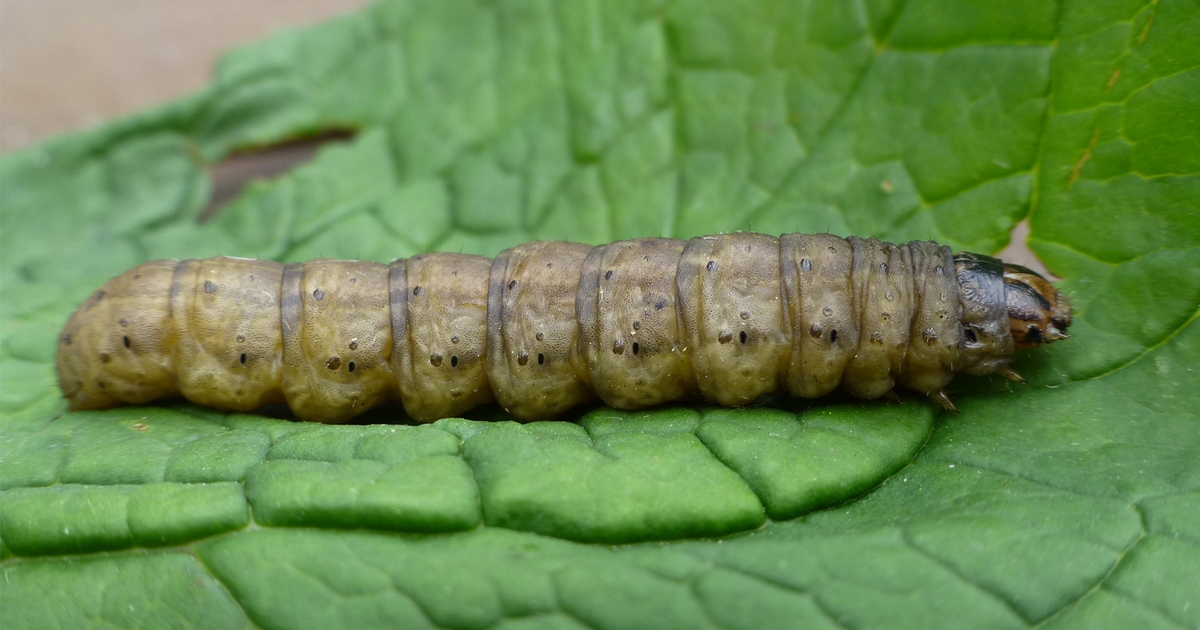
{"points": [[546, 326]]}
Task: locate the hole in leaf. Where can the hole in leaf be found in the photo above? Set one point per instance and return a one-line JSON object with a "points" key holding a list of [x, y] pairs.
{"points": [[231, 175]]}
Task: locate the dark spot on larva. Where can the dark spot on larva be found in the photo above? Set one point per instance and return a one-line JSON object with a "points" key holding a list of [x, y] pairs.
{"points": [[101, 384], [251, 276], [725, 336], [929, 335], [209, 287], [99, 296], [435, 360], [637, 325], [747, 248], [806, 264], [125, 340], [241, 338], [619, 346], [815, 331], [104, 358], [711, 266], [608, 274], [319, 294], [66, 339], [938, 270], [742, 337], [745, 315], [549, 265], [454, 360], [334, 362], [522, 358], [512, 285], [540, 336], [883, 267], [828, 311], [454, 339], [242, 358], [833, 336], [970, 335], [350, 367], [660, 305], [353, 280], [354, 344], [886, 316], [418, 290], [123, 322], [541, 359], [832, 249], [636, 347], [877, 338]]}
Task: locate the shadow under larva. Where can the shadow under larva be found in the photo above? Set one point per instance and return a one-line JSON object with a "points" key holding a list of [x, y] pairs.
{"points": [[547, 326]]}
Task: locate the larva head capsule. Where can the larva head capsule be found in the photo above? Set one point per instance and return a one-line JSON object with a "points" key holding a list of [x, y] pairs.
{"points": [[1038, 313]]}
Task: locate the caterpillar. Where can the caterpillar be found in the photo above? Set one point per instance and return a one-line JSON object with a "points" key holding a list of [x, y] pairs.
{"points": [[546, 326]]}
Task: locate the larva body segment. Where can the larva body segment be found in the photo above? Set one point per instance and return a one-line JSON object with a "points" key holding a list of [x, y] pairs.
{"points": [[533, 359], [729, 297], [439, 360], [929, 364], [337, 338], [228, 339], [550, 325], [630, 332], [882, 281], [818, 291]]}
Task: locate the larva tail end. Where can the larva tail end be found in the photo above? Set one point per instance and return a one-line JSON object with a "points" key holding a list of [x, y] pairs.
{"points": [[944, 400], [1038, 313]]}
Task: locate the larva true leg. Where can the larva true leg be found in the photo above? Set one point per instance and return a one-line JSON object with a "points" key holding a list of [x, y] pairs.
{"points": [[942, 399], [1010, 374]]}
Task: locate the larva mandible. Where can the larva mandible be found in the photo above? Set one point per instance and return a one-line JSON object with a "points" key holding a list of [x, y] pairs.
{"points": [[549, 325]]}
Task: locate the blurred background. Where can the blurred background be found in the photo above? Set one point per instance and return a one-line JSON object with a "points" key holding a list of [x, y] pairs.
{"points": [[70, 64]]}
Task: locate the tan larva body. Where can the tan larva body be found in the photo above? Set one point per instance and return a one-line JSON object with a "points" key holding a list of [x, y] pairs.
{"points": [[542, 328]]}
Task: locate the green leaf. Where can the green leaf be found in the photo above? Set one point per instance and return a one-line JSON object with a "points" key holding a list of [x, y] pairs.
{"points": [[1070, 502]]}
